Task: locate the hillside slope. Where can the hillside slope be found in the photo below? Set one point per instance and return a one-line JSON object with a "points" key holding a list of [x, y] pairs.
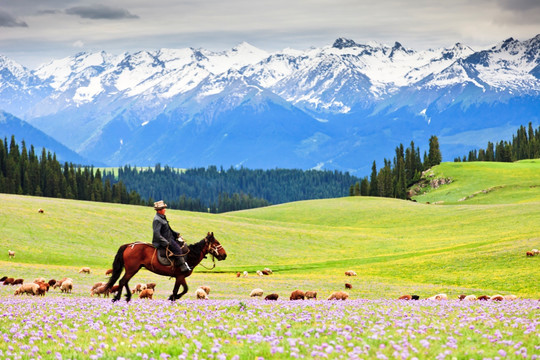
{"points": [[485, 183]]}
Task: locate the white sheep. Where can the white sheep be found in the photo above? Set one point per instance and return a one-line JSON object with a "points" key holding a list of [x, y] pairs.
{"points": [[439, 297], [245, 274], [350, 273], [470, 298], [256, 292], [259, 273], [201, 294], [67, 286]]}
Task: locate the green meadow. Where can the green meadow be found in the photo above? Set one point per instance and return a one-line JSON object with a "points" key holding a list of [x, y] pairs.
{"points": [[475, 246]]}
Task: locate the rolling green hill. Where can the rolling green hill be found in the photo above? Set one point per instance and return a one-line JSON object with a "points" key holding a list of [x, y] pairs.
{"points": [[395, 246], [486, 183]]}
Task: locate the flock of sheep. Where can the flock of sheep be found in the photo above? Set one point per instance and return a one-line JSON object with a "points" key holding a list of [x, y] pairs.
{"points": [[39, 286], [533, 252]]}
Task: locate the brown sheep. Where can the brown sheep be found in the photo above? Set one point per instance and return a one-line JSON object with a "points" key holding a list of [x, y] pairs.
{"points": [[350, 273], [339, 295], [151, 286], [265, 272], [146, 294], [483, 297], [405, 297], [102, 289], [28, 288], [114, 289], [108, 272], [85, 270], [11, 254], [461, 297], [43, 288], [96, 286], [272, 296], [138, 288], [530, 253], [415, 297], [348, 286], [297, 295], [268, 270], [9, 281], [51, 282], [238, 274], [497, 298], [311, 295], [17, 282], [58, 284], [3, 278], [41, 211]]}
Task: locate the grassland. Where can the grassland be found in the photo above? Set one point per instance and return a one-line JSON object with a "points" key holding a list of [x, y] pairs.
{"points": [[395, 246]]}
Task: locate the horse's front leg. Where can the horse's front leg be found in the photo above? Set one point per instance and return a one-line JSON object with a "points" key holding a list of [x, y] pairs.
{"points": [[181, 280]]}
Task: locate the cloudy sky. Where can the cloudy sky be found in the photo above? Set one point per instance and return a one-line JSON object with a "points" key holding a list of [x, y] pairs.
{"points": [[33, 32]]}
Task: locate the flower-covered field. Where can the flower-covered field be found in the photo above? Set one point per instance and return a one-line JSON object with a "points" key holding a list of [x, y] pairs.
{"points": [[82, 328]]}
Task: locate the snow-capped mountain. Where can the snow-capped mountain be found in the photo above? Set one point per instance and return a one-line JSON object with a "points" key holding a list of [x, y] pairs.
{"points": [[341, 106]]}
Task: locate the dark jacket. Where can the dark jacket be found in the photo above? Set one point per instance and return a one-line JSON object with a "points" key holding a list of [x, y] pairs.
{"points": [[163, 234]]}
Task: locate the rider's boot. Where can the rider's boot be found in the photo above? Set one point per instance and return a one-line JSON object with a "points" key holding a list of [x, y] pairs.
{"points": [[180, 262]]}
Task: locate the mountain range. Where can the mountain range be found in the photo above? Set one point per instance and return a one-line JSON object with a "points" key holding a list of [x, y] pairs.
{"points": [[336, 107]]}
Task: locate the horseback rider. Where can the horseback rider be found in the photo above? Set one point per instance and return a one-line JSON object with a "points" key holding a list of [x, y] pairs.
{"points": [[165, 236]]}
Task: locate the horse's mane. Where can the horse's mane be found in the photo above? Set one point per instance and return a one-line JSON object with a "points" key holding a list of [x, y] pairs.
{"points": [[195, 250]]}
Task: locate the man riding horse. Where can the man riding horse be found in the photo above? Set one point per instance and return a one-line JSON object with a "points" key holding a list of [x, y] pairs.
{"points": [[165, 237]]}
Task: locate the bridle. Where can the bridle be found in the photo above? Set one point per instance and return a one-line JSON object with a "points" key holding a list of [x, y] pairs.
{"points": [[212, 250]]}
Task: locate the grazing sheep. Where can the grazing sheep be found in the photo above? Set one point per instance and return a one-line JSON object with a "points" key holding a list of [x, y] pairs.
{"points": [[530, 253], [151, 286], [311, 295], [114, 289], [350, 273], [238, 274], [405, 297], [348, 286], [470, 298], [201, 294], [415, 297], [85, 270], [11, 254], [95, 286], [535, 251], [439, 297], [51, 282], [259, 273], [108, 272], [497, 298], [58, 284], [483, 297], [461, 297], [138, 288], [101, 289], [245, 274], [3, 278], [297, 295], [267, 270], [206, 289], [256, 292], [146, 294], [9, 281], [510, 297], [43, 288], [28, 288], [339, 295], [41, 211], [66, 286], [17, 282], [272, 296], [39, 279]]}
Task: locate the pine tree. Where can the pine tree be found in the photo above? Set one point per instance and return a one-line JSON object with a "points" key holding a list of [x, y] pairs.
{"points": [[373, 185], [434, 156]]}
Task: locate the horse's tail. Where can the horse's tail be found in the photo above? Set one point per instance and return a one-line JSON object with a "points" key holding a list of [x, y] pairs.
{"points": [[118, 266]]}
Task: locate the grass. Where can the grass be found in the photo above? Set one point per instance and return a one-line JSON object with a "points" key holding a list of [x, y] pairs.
{"points": [[395, 246]]}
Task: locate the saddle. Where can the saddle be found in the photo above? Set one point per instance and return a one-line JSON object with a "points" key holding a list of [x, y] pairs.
{"points": [[166, 257]]}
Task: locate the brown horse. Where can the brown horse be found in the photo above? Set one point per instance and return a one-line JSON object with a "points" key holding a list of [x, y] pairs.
{"points": [[136, 255]]}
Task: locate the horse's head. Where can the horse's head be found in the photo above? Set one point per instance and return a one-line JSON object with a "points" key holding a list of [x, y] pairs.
{"points": [[214, 247]]}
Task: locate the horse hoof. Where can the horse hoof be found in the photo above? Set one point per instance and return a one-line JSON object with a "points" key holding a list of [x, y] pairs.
{"points": [[172, 298]]}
